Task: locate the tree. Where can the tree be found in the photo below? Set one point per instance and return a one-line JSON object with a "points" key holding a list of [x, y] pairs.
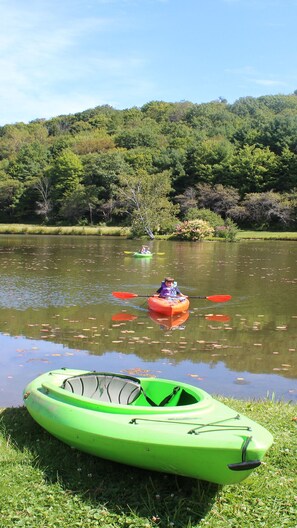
{"points": [[253, 169], [217, 198], [10, 193], [44, 204], [66, 174], [209, 161], [187, 200], [266, 210], [144, 136], [78, 202], [144, 197]]}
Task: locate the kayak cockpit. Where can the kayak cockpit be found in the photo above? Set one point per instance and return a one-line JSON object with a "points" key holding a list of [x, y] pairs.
{"points": [[127, 390]]}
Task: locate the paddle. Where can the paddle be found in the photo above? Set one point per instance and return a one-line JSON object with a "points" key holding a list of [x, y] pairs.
{"points": [[133, 252], [212, 298]]}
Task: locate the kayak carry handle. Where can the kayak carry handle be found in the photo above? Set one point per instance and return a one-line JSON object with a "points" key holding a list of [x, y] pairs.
{"points": [[244, 466]]}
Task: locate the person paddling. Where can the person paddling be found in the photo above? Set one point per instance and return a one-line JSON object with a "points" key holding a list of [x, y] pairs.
{"points": [[145, 250], [169, 289]]}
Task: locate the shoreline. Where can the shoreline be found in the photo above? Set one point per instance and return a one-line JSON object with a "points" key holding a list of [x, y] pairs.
{"points": [[31, 229]]}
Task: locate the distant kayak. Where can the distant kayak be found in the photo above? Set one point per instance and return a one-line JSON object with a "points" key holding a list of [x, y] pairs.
{"points": [[169, 306], [137, 254]]}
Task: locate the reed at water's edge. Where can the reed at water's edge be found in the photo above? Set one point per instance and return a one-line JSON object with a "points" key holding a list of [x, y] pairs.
{"points": [[46, 483], [30, 229]]}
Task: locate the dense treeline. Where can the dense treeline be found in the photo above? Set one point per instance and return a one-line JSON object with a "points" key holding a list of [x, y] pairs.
{"points": [[154, 164]]}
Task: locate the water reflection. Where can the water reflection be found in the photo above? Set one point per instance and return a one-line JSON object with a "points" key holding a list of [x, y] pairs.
{"points": [[56, 309]]}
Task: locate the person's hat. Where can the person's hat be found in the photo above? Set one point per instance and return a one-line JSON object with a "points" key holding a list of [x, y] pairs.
{"points": [[169, 279]]}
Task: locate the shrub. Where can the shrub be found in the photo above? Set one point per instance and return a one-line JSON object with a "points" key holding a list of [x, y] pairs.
{"points": [[193, 230], [228, 231], [209, 216]]}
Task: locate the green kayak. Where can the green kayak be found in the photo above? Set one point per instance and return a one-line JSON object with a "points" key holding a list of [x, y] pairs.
{"points": [[151, 423], [138, 254]]}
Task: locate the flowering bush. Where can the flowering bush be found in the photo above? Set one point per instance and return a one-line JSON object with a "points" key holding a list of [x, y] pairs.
{"points": [[193, 230]]}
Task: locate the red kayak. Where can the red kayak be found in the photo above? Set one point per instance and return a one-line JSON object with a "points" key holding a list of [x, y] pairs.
{"points": [[170, 306]]}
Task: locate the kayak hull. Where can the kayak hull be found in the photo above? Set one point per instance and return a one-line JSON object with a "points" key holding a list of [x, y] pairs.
{"points": [[155, 424], [142, 255], [169, 307]]}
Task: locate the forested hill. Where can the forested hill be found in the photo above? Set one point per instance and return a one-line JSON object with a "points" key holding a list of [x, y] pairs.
{"points": [[99, 165]]}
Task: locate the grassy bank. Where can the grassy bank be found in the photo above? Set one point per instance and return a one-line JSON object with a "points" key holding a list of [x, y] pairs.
{"points": [[47, 484], [267, 235], [28, 229]]}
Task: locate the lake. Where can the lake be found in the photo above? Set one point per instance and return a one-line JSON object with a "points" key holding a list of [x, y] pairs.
{"points": [[57, 309]]}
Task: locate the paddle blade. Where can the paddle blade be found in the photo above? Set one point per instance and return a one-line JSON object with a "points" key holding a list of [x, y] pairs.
{"points": [[124, 295], [123, 317], [129, 252], [219, 298]]}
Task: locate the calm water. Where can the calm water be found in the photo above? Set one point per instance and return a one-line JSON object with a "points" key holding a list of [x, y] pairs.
{"points": [[57, 309]]}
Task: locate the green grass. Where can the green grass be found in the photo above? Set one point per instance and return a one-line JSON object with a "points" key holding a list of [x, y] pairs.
{"points": [[267, 235], [46, 484], [27, 229], [30, 229]]}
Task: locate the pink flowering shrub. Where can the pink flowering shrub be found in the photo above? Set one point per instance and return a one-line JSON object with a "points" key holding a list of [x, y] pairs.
{"points": [[193, 230]]}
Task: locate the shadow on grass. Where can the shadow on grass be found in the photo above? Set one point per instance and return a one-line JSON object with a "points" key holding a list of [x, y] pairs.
{"points": [[122, 489]]}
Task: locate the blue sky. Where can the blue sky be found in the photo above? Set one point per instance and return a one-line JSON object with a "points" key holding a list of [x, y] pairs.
{"points": [[64, 56]]}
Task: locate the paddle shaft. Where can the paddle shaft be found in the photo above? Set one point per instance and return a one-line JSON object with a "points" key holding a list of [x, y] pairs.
{"points": [[212, 298]]}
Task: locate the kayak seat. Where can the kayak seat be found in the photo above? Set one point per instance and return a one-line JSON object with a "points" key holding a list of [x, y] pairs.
{"points": [[115, 388], [105, 388]]}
